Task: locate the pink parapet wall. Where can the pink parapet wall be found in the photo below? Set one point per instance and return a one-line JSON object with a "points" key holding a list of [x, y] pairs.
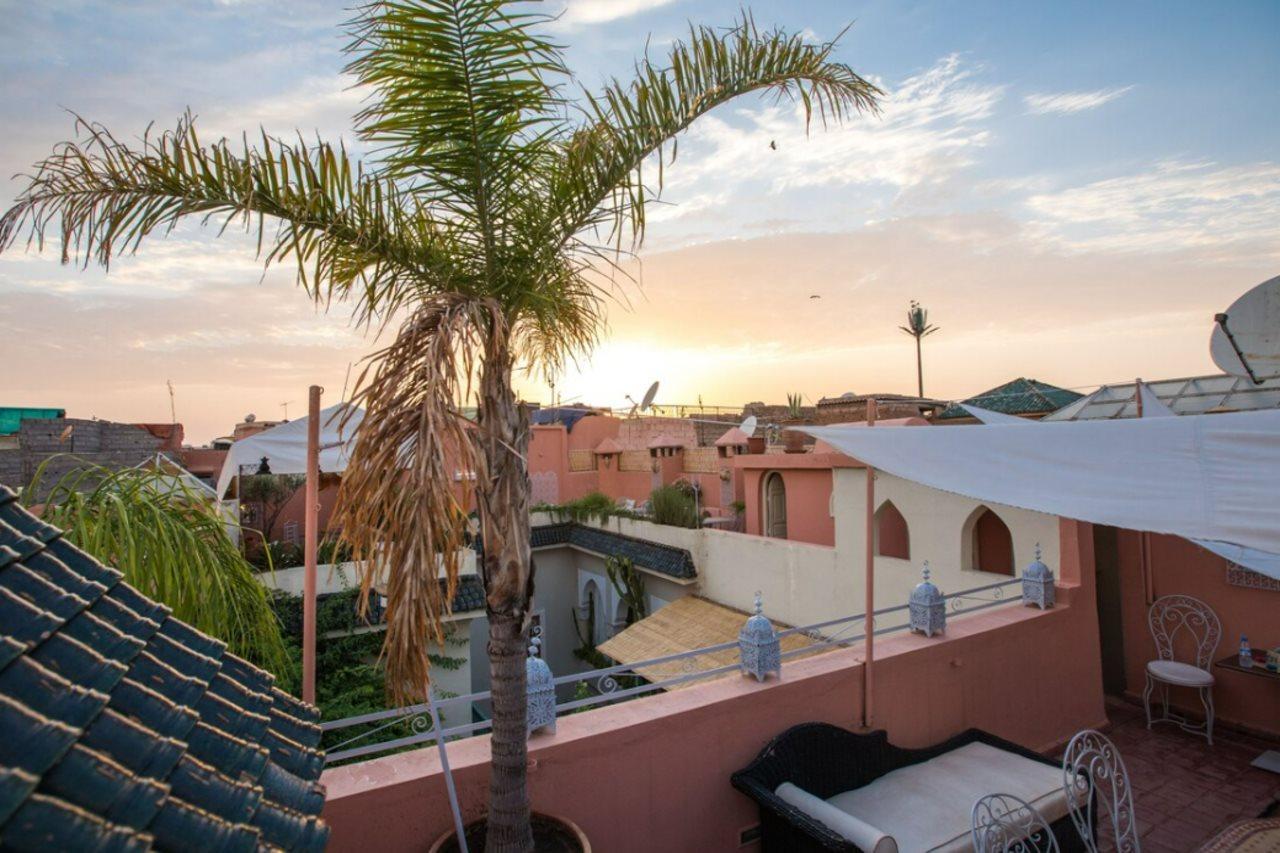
{"points": [[653, 773]]}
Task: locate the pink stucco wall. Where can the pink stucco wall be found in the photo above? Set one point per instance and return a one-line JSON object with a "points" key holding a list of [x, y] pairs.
{"points": [[808, 481], [1181, 567], [653, 773]]}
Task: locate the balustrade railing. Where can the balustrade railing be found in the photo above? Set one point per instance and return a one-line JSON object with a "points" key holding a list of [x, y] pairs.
{"points": [[619, 682]]}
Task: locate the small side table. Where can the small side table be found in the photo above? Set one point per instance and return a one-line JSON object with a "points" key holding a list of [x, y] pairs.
{"points": [[1269, 760]]}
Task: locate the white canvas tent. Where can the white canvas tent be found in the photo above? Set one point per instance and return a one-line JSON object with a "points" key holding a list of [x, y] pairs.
{"points": [[285, 446], [1210, 478]]}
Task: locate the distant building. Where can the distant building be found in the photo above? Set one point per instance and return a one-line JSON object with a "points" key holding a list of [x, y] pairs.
{"points": [[850, 407], [1022, 397], [64, 444]]}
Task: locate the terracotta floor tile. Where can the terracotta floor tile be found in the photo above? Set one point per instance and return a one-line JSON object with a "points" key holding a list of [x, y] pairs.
{"points": [[1186, 791]]}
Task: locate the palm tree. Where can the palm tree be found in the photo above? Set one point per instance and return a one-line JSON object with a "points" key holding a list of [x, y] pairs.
{"points": [[171, 542], [917, 327], [491, 215]]}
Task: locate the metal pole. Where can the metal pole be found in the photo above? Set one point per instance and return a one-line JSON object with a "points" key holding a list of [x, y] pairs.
{"points": [[448, 774], [311, 535], [870, 591], [1144, 538]]}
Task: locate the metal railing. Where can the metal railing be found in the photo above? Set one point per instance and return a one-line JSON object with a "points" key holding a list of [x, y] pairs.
{"points": [[621, 681]]}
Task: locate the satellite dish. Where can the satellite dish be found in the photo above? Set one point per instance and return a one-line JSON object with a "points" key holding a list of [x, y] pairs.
{"points": [[1246, 339], [748, 425], [647, 400]]}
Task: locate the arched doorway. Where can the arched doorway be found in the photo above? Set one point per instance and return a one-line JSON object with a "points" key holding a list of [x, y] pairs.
{"points": [[988, 543], [775, 506], [893, 539]]}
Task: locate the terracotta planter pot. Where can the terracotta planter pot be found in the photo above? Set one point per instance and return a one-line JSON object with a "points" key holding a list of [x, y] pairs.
{"points": [[793, 441], [561, 832]]}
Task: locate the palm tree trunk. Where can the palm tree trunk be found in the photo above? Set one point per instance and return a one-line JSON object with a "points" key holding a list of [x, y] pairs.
{"points": [[919, 370], [503, 503]]}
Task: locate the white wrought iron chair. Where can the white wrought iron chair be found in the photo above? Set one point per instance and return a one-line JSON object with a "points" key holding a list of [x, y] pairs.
{"points": [[1003, 823], [1097, 787], [1170, 616]]}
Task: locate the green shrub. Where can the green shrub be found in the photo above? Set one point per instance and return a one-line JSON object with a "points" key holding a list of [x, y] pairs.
{"points": [[591, 506], [674, 506]]}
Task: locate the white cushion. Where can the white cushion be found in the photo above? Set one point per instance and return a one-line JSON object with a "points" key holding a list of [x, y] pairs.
{"points": [[851, 828], [929, 806], [1181, 674]]}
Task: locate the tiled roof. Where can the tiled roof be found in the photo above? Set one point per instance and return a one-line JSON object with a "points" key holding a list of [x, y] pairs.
{"points": [[1019, 397], [664, 559], [127, 729]]}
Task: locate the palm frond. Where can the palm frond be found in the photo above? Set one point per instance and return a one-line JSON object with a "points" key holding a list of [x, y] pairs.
{"points": [[171, 544], [400, 507], [599, 181], [347, 233], [464, 96]]}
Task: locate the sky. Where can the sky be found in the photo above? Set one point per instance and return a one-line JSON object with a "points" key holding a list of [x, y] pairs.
{"points": [[1071, 189]]}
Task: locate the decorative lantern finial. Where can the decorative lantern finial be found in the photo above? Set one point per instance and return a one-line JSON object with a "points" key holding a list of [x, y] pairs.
{"points": [[1037, 584], [927, 607], [541, 701], [759, 650]]}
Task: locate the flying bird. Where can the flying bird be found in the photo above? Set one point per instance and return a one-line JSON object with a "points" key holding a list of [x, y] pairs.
{"points": [[815, 296], [773, 143]]}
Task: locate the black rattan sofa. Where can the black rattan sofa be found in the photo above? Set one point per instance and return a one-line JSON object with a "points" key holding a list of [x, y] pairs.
{"points": [[826, 760]]}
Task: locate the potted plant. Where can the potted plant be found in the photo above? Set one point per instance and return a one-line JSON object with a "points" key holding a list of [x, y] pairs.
{"points": [[793, 440], [550, 835]]}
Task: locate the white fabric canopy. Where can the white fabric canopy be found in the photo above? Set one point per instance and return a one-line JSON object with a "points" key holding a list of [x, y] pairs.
{"points": [[1214, 478], [989, 417], [285, 446], [1153, 406]]}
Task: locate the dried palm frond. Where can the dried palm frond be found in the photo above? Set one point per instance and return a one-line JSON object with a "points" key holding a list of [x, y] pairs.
{"points": [[402, 507]]}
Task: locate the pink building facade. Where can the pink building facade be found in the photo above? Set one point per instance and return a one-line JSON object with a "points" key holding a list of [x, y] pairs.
{"points": [[627, 458]]}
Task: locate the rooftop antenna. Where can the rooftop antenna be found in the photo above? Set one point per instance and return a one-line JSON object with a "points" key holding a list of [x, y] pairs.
{"points": [[1246, 337], [345, 380], [748, 424], [173, 409], [285, 404]]}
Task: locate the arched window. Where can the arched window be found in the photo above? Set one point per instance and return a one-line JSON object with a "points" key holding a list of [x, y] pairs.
{"points": [[775, 506], [987, 543], [892, 537], [591, 615]]}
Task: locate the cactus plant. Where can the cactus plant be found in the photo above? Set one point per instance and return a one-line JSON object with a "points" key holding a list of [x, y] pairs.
{"points": [[629, 584]]}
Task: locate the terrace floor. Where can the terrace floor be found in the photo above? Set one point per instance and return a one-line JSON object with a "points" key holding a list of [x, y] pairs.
{"points": [[1186, 791]]}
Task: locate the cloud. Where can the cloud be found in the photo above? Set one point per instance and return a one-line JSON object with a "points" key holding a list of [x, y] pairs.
{"points": [[1071, 102], [931, 126], [1169, 206], [587, 12]]}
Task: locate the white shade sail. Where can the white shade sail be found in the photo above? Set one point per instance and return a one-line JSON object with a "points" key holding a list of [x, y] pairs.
{"points": [[1152, 405], [989, 417], [285, 446], [1206, 477]]}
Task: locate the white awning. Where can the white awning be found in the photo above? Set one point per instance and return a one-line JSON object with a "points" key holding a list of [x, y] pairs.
{"points": [[285, 446], [989, 417], [1214, 478]]}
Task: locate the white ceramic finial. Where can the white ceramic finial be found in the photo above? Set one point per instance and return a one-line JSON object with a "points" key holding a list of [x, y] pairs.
{"points": [[759, 602], [1037, 552], [926, 569]]}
